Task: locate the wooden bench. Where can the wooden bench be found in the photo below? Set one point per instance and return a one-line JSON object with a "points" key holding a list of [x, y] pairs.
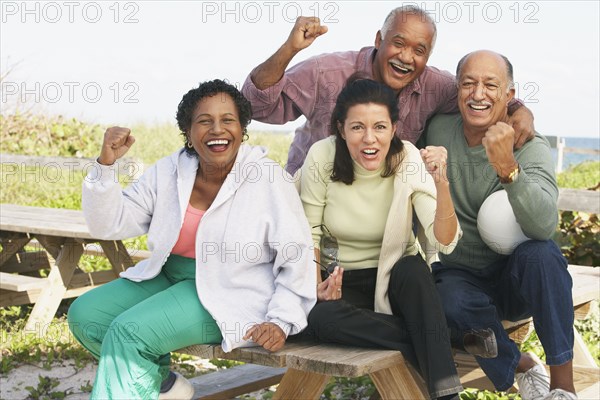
{"points": [[310, 365], [61, 237]]}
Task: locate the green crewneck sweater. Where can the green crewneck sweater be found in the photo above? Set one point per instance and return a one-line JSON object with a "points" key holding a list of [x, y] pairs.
{"points": [[355, 214], [472, 179]]}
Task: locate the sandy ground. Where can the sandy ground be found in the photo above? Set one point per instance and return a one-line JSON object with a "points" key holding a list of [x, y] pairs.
{"points": [[71, 380], [13, 384]]}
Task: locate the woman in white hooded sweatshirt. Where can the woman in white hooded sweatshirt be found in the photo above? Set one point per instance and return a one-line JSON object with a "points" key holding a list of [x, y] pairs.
{"points": [[231, 258]]}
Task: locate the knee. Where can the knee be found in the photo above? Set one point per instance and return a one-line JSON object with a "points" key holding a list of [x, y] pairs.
{"points": [[539, 256], [412, 270], [322, 312], [322, 319], [80, 319], [463, 308]]}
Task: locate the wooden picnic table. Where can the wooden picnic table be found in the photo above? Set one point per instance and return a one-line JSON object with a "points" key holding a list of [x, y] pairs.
{"points": [[59, 237]]}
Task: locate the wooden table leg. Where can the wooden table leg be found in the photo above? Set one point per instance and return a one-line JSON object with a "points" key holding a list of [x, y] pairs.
{"points": [[398, 382], [117, 254], [58, 280], [297, 384], [11, 246]]}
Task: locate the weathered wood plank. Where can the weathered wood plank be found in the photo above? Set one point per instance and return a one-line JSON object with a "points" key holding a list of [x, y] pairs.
{"points": [[20, 283], [232, 382], [397, 382], [579, 200], [585, 283], [301, 385], [342, 360], [27, 262], [44, 221], [11, 298]]}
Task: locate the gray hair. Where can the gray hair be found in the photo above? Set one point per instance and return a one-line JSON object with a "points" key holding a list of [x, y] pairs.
{"points": [[409, 10], [509, 69]]}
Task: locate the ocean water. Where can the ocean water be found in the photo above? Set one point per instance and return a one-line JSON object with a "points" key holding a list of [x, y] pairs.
{"points": [[570, 159]]}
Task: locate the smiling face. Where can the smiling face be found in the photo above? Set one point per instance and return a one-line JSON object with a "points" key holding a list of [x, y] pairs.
{"points": [[403, 53], [216, 132], [368, 132], [484, 91]]}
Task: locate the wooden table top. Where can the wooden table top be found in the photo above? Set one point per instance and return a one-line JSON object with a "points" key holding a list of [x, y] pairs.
{"points": [[43, 221]]}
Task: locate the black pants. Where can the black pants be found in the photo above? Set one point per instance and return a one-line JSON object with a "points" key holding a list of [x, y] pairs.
{"points": [[417, 327]]}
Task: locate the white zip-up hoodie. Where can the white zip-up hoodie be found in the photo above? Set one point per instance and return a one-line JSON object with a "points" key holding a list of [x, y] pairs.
{"points": [[253, 246]]}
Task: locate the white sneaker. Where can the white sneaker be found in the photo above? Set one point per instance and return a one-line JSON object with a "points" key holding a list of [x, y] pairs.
{"points": [[559, 394], [534, 384], [182, 389]]}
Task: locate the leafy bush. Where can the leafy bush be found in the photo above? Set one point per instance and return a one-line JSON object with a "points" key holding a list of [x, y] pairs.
{"points": [[40, 135], [578, 233]]}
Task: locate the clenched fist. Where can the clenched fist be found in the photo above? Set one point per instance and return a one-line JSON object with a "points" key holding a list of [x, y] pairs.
{"points": [[498, 143], [304, 33], [117, 142], [435, 159]]}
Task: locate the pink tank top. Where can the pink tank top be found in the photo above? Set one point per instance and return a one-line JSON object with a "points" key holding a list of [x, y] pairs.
{"points": [[186, 244]]}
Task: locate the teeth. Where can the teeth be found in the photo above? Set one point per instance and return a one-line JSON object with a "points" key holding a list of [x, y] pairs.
{"points": [[217, 142], [401, 69], [369, 151], [475, 107]]}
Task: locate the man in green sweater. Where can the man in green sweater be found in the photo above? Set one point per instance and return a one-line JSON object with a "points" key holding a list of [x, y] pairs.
{"points": [[478, 286]]}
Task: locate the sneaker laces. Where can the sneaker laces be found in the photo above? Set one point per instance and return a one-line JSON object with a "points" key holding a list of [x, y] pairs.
{"points": [[535, 383]]}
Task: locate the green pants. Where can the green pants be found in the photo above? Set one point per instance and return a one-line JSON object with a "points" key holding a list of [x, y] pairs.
{"points": [[132, 327]]}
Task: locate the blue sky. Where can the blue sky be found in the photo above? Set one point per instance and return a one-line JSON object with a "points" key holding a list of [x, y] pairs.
{"points": [[131, 61]]}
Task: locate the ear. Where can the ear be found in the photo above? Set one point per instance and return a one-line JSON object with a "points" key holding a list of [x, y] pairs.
{"points": [[378, 39], [510, 95]]}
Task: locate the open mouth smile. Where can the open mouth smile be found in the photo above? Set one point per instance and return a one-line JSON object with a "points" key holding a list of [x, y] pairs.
{"points": [[401, 68]]}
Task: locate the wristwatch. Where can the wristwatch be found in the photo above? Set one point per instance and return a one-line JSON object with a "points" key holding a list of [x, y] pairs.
{"points": [[512, 176]]}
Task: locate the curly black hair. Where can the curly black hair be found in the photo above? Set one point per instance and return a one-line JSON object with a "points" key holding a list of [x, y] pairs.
{"points": [[190, 100], [360, 89]]}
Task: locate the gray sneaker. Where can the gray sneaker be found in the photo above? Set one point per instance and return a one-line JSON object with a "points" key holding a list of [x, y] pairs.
{"points": [[559, 394], [534, 384]]}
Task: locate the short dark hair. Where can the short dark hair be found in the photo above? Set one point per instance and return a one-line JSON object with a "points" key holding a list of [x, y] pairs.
{"points": [[362, 90], [190, 100], [509, 68]]}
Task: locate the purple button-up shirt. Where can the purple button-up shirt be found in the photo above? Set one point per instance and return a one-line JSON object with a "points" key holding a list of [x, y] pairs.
{"points": [[311, 88]]}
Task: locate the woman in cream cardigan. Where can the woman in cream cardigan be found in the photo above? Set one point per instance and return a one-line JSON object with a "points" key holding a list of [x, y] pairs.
{"points": [[359, 188]]}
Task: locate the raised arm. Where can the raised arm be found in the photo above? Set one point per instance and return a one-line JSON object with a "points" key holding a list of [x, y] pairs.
{"points": [[445, 225], [110, 211], [303, 34]]}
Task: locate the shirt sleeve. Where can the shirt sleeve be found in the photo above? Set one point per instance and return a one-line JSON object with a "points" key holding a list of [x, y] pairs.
{"points": [[534, 194], [295, 279], [294, 95], [313, 190], [113, 213]]}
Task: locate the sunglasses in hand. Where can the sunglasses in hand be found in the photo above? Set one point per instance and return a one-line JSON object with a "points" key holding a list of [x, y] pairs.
{"points": [[329, 248]]}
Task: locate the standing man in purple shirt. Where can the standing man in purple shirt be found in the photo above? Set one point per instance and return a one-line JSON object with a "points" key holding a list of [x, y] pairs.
{"points": [[399, 58]]}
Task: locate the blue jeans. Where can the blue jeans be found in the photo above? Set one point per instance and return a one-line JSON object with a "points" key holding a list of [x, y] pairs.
{"points": [[532, 282]]}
